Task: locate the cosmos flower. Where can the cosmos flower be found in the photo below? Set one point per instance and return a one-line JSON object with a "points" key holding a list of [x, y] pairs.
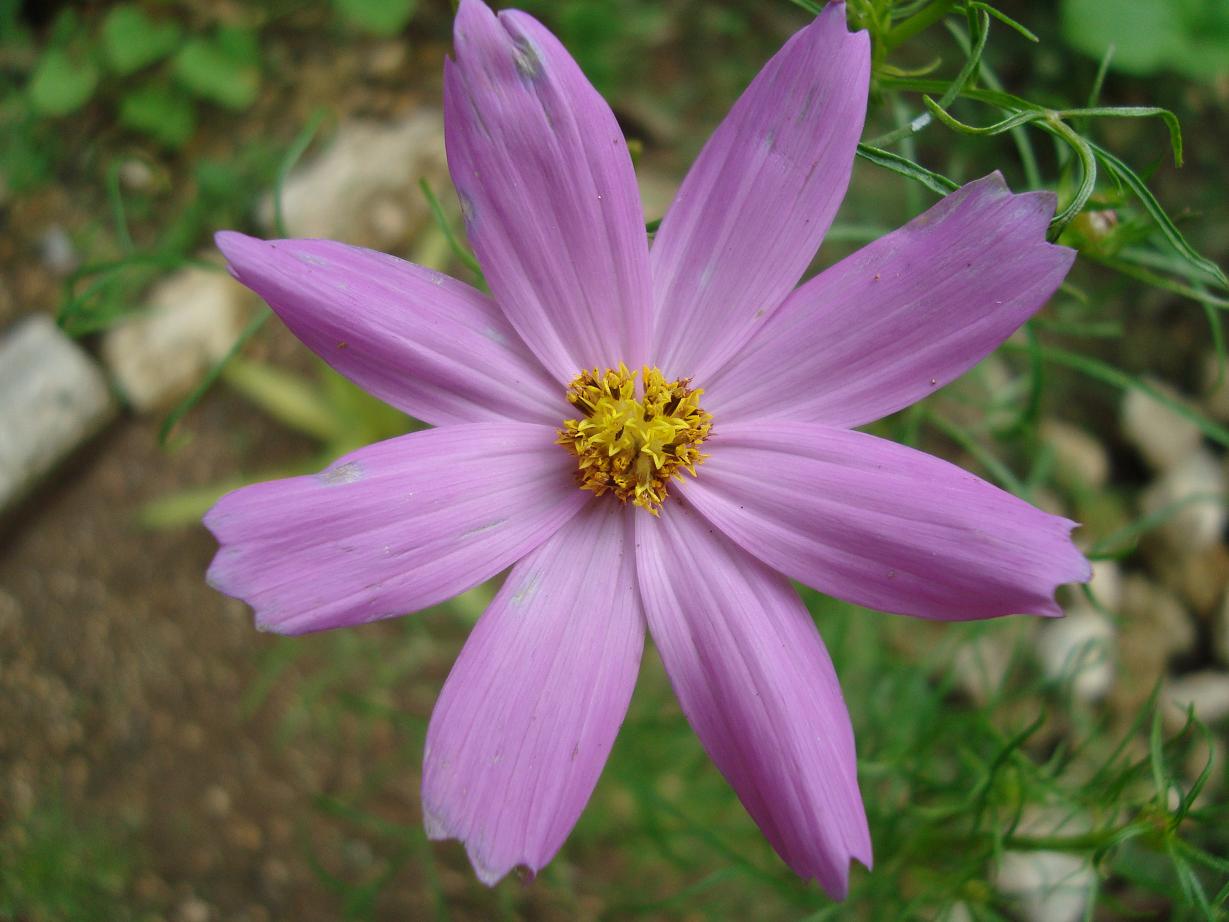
{"points": [[655, 438]]}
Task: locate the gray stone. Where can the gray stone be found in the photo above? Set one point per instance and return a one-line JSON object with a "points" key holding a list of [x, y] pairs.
{"points": [[1198, 482], [1207, 692], [53, 397], [1163, 437], [1046, 886], [57, 251], [1220, 632], [363, 188], [1216, 396], [1080, 461], [1107, 583], [193, 318], [1080, 649]]}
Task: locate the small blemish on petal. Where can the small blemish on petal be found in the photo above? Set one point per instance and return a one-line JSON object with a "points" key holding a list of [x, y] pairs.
{"points": [[526, 592], [482, 528], [346, 472], [528, 62]]}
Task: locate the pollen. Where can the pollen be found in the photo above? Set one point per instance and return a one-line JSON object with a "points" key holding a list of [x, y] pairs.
{"points": [[633, 437]]}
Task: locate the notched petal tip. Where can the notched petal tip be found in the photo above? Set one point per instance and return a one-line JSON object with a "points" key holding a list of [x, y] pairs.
{"points": [[439, 830], [1073, 569]]}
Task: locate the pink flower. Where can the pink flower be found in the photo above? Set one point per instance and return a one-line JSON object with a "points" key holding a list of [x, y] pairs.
{"points": [[744, 381]]}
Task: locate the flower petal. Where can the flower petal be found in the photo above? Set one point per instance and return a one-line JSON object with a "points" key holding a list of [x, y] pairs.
{"points": [[757, 685], [548, 192], [417, 339], [759, 199], [393, 527], [882, 525], [902, 316], [527, 717]]}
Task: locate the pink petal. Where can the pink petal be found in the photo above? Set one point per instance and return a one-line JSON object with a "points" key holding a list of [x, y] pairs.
{"points": [[548, 192], [528, 715], [881, 525], [757, 685], [760, 197], [393, 527], [423, 342], [902, 316]]}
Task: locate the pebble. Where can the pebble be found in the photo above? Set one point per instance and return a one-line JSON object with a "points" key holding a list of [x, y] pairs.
{"points": [[53, 398], [1207, 692], [136, 175], [1107, 583], [1080, 649], [387, 59], [1156, 617], [1080, 460], [981, 665], [368, 174], [1198, 483], [194, 317], [1216, 399], [1163, 437], [57, 251], [193, 910], [1156, 628], [1220, 632], [217, 800], [1046, 886]]}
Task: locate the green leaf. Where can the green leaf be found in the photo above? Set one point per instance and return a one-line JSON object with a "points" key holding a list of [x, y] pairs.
{"points": [[1131, 180], [290, 399], [379, 17], [160, 113], [62, 83], [131, 40], [935, 182], [224, 68], [1189, 36]]}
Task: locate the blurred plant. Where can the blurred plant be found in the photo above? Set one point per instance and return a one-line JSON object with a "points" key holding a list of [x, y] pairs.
{"points": [[155, 65], [329, 410], [117, 58], [1190, 37], [53, 867]]}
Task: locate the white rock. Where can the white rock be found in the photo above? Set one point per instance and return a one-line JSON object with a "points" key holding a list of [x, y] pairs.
{"points": [[1046, 886], [136, 175], [57, 250], [981, 665], [1207, 692], [1080, 460], [956, 912], [1163, 437], [53, 397], [1160, 624], [1220, 632], [1107, 583], [193, 318], [368, 175], [1081, 649], [1200, 522], [193, 910], [1216, 399]]}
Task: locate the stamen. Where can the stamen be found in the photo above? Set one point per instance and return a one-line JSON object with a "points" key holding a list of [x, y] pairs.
{"points": [[632, 445]]}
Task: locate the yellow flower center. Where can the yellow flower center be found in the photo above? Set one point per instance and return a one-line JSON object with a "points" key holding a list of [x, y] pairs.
{"points": [[631, 445]]}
